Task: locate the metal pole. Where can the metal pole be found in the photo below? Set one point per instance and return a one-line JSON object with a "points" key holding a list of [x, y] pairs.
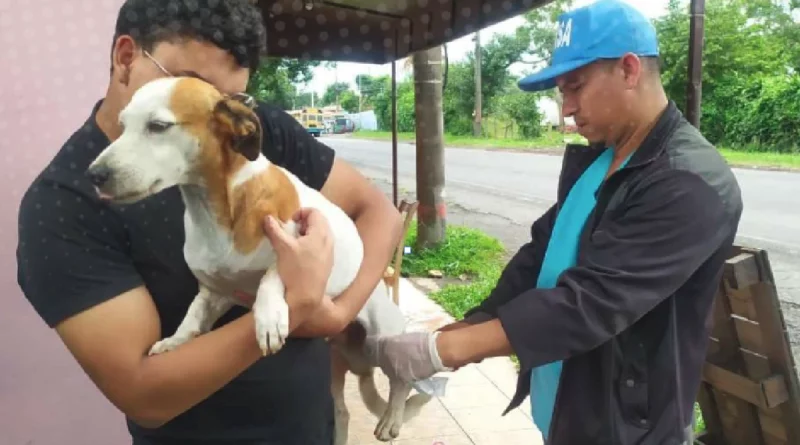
{"points": [[394, 132], [695, 84]]}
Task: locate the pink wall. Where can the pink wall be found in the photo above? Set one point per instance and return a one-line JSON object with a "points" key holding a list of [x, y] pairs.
{"points": [[53, 67]]}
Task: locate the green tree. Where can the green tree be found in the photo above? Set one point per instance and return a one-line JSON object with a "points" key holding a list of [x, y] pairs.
{"points": [[304, 99], [332, 95], [349, 101], [275, 79], [745, 44], [522, 108]]}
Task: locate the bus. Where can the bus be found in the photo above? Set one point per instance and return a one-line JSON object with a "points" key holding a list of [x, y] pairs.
{"points": [[310, 118]]}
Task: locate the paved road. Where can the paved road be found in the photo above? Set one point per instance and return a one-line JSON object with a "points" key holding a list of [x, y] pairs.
{"points": [[521, 186]]}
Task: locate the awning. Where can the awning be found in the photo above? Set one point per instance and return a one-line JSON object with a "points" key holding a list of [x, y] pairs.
{"points": [[376, 31]]}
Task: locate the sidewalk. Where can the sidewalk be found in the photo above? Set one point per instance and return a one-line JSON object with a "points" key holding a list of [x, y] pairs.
{"points": [[470, 412]]}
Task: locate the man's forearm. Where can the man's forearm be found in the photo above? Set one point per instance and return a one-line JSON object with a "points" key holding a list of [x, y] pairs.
{"points": [[379, 227], [473, 343], [168, 384], [326, 321]]}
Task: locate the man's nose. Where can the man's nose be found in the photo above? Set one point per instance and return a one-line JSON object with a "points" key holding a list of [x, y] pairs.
{"points": [[98, 175]]}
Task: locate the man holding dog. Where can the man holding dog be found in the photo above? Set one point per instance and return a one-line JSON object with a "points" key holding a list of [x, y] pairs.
{"points": [[112, 280], [607, 306]]}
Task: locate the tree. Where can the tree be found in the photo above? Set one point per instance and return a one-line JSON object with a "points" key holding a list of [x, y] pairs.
{"points": [[275, 79], [430, 147], [332, 95], [305, 99], [745, 43], [541, 27], [349, 101]]}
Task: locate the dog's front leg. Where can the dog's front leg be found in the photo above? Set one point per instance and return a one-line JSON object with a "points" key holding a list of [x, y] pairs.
{"points": [[206, 308], [271, 312]]}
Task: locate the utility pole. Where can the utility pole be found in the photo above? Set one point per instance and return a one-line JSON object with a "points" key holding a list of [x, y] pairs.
{"points": [[694, 88], [360, 94], [431, 213], [478, 93]]}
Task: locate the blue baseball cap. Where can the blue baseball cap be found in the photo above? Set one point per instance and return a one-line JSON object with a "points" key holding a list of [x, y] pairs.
{"points": [[605, 29]]}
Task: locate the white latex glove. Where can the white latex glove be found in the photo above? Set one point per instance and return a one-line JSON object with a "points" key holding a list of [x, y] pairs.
{"points": [[410, 357]]}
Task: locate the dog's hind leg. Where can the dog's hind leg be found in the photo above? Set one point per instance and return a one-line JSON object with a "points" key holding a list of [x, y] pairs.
{"points": [[341, 414], [389, 425], [206, 308]]}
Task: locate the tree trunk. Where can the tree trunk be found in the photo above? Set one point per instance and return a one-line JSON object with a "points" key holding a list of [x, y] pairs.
{"points": [[431, 211], [477, 123]]}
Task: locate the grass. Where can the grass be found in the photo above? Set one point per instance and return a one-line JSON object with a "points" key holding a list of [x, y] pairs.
{"points": [[473, 253], [548, 140], [466, 251], [555, 140]]}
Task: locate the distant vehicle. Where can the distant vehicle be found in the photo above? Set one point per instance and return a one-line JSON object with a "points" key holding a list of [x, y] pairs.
{"points": [[310, 118], [343, 125]]}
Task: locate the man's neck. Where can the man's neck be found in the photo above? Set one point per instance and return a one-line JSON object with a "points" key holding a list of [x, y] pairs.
{"points": [[647, 116], [107, 116]]}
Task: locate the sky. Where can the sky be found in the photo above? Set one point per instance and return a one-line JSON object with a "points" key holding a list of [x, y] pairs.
{"points": [[456, 50]]}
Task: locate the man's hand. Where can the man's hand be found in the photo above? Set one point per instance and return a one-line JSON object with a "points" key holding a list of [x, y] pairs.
{"points": [[305, 261], [410, 357]]}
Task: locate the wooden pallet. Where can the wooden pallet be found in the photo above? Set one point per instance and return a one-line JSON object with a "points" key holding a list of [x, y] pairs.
{"points": [[749, 394]]}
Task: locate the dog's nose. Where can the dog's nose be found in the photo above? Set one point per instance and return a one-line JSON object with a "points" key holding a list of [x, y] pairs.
{"points": [[98, 175]]}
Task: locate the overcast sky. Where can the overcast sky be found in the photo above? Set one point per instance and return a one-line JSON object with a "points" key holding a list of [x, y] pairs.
{"points": [[457, 49]]}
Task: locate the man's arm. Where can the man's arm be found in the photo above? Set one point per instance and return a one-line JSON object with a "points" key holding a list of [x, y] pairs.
{"points": [[670, 228], [379, 224], [75, 270]]}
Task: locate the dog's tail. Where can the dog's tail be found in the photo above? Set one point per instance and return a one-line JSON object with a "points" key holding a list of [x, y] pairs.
{"points": [[377, 404]]}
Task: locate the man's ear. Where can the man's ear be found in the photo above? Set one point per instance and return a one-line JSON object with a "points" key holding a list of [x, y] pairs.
{"points": [[239, 127]]}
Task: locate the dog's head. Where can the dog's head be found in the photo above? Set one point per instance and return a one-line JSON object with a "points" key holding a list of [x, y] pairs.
{"points": [[176, 131]]}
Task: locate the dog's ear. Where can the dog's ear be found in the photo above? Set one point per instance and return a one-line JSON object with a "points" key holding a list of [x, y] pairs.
{"points": [[239, 126]]}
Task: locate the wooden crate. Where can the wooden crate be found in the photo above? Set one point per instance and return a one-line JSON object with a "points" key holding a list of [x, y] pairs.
{"points": [[749, 394]]}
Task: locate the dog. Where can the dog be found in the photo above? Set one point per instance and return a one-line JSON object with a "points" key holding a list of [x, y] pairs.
{"points": [[181, 131]]}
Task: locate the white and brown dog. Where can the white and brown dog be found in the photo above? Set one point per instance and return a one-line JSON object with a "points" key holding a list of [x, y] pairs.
{"points": [[182, 131]]}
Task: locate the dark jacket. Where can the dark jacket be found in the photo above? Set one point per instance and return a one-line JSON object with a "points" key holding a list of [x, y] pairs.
{"points": [[631, 319]]}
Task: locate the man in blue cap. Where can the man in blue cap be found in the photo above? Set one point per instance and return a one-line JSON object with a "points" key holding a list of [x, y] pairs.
{"points": [[606, 306]]}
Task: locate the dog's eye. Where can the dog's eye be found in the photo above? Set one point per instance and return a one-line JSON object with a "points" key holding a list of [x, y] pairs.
{"points": [[158, 126]]}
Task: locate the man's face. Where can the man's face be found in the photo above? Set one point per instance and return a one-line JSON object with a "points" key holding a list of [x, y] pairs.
{"points": [[598, 96], [135, 67]]}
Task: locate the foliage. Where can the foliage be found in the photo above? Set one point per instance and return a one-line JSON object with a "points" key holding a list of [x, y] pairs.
{"points": [[334, 92], [275, 79], [521, 107], [749, 93]]}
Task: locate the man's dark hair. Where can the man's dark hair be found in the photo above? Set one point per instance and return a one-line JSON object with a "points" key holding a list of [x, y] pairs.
{"points": [[233, 25]]}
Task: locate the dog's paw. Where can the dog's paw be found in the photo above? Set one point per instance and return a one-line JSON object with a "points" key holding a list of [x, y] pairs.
{"points": [[167, 344], [389, 426], [272, 326]]}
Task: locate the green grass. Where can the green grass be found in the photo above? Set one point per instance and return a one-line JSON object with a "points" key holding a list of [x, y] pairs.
{"points": [[549, 140], [555, 140], [465, 251], [762, 159]]}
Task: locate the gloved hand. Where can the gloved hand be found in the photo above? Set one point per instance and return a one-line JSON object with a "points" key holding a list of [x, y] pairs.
{"points": [[409, 357]]}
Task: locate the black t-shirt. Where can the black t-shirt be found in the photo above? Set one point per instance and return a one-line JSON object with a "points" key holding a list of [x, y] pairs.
{"points": [[75, 252]]}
